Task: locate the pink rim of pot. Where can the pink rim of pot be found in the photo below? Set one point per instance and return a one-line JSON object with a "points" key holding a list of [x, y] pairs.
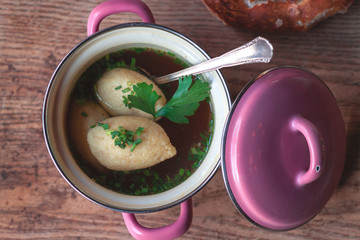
{"points": [[183, 223], [110, 7]]}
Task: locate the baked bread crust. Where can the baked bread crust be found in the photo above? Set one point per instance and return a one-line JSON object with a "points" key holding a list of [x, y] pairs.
{"points": [[276, 15]]}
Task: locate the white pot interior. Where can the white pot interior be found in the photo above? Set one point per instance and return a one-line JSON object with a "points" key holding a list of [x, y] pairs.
{"points": [[63, 81]]}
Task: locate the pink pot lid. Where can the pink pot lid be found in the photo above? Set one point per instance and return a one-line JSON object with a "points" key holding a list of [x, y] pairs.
{"points": [[283, 149]]}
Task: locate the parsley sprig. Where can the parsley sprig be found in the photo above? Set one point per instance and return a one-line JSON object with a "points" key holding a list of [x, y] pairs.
{"points": [[183, 103]]}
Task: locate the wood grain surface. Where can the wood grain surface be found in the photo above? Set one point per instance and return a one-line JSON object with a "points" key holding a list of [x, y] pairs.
{"points": [[37, 203]]}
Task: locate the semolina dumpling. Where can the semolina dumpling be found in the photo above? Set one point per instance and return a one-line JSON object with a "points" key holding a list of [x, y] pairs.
{"points": [[81, 117], [116, 84], [154, 148]]}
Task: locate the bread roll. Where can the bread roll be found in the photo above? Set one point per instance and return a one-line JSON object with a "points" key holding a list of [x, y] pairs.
{"points": [[276, 16], [154, 148]]}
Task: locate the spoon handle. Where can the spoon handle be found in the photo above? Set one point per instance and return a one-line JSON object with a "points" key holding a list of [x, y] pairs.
{"points": [[258, 50]]}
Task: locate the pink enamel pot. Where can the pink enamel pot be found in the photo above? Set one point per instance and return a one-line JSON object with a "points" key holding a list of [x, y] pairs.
{"points": [[281, 144], [98, 44]]}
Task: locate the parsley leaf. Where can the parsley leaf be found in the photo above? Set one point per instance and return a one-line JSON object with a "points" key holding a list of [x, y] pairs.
{"points": [[144, 98], [183, 103]]}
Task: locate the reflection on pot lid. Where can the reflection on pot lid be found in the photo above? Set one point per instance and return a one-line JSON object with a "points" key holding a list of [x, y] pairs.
{"points": [[283, 148]]}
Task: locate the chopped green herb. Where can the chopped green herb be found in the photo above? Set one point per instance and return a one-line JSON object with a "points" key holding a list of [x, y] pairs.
{"points": [[139, 50], [93, 126], [118, 87], [84, 114], [129, 133], [126, 90], [156, 176], [171, 54], [123, 63], [114, 134], [147, 172], [133, 61], [193, 150], [135, 143], [105, 126], [119, 143], [184, 65], [126, 102], [120, 52], [160, 53], [139, 131], [177, 61], [195, 165], [123, 137]]}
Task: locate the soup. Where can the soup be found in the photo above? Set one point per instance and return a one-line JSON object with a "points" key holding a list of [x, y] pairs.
{"points": [[191, 140]]}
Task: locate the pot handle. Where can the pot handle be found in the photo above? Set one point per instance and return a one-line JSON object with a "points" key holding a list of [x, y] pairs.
{"points": [[172, 231], [316, 150], [117, 6]]}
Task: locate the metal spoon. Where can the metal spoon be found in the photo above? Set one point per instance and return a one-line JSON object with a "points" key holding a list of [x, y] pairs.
{"points": [[258, 50]]}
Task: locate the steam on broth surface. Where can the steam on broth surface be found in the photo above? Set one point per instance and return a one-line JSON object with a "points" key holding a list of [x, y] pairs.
{"points": [[190, 140]]}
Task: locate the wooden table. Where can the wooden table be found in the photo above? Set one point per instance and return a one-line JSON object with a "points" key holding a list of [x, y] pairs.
{"points": [[37, 203]]}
